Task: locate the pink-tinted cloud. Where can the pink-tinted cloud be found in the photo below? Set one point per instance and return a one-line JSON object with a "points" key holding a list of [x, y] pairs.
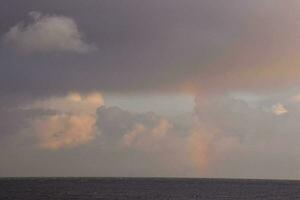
{"points": [[73, 123], [64, 131]]}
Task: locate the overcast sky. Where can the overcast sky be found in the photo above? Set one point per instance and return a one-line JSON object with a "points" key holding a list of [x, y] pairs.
{"points": [[194, 88]]}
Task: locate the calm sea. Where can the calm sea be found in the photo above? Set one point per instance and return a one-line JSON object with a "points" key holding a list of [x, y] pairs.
{"points": [[146, 188]]}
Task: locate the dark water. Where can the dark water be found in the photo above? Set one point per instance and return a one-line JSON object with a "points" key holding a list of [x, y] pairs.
{"points": [[143, 188]]}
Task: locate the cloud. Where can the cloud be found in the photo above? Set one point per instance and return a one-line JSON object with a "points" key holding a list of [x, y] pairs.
{"points": [[224, 129], [61, 131], [191, 149], [154, 138], [47, 33], [279, 109], [185, 50], [72, 124], [251, 134], [231, 133], [130, 129], [129, 138], [210, 49], [14, 120], [73, 103], [144, 138]]}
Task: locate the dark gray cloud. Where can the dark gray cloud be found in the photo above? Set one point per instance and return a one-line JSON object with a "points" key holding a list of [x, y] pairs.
{"points": [[154, 45]]}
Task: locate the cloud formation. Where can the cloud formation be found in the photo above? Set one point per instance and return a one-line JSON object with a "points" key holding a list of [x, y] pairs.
{"points": [[189, 150], [229, 135], [131, 129], [47, 33], [71, 125], [171, 46], [141, 137], [72, 103], [254, 135], [211, 49], [61, 131]]}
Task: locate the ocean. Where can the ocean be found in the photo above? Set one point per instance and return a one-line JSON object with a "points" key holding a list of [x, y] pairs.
{"points": [[146, 188]]}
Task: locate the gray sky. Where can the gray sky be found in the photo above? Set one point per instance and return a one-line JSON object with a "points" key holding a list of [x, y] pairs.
{"points": [[150, 88]]}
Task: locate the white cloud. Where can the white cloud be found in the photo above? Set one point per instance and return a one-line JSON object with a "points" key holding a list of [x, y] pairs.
{"points": [[47, 33]]}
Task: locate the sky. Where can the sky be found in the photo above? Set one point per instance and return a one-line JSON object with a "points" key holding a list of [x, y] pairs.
{"points": [[139, 88]]}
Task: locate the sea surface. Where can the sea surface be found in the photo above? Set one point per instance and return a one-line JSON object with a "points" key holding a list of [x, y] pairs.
{"points": [[146, 188]]}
